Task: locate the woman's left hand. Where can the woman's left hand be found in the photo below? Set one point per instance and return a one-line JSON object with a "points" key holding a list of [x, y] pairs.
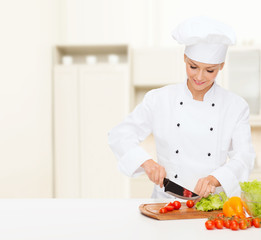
{"points": [[206, 186]]}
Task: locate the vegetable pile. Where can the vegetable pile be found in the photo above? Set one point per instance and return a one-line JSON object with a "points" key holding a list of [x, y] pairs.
{"points": [[233, 223], [212, 202], [251, 195], [233, 216]]}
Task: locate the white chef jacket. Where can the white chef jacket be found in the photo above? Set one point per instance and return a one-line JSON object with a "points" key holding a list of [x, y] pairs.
{"points": [[193, 138]]}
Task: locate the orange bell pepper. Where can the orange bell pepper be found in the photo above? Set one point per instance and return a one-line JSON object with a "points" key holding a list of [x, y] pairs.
{"points": [[234, 207]]}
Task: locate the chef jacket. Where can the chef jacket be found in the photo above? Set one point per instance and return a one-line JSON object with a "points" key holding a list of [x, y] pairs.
{"points": [[193, 138]]}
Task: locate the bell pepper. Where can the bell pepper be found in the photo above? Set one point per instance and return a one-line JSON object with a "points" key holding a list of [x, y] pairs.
{"points": [[234, 207]]}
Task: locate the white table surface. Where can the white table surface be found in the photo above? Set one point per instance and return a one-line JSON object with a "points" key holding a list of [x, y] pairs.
{"points": [[99, 219]]}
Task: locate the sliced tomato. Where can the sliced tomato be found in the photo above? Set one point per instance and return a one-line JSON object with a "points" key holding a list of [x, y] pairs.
{"points": [[170, 208], [163, 210]]}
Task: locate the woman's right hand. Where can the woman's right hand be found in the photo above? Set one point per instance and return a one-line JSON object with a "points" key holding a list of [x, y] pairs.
{"points": [[154, 171]]}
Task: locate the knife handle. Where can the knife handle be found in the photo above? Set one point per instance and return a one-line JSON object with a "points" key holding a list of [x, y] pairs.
{"points": [[165, 181]]}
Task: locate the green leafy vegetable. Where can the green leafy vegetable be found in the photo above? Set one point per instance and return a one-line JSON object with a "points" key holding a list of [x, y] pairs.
{"points": [[212, 202], [251, 195]]}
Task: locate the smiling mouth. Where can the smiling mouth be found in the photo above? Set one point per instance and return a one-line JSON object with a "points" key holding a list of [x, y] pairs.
{"points": [[198, 82]]}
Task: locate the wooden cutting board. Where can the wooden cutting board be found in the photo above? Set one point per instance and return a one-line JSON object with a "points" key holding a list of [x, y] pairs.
{"points": [[152, 210]]}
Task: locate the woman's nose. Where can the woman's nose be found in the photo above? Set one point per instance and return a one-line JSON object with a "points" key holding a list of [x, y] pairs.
{"points": [[199, 75]]}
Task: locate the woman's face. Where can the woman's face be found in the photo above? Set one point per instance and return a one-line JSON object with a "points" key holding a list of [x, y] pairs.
{"points": [[201, 75]]}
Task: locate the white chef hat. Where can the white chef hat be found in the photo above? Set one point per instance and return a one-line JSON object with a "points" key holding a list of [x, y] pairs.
{"points": [[206, 39]]}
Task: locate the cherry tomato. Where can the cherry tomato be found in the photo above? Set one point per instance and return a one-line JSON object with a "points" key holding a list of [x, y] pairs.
{"points": [[219, 223], [170, 204], [190, 203], [227, 223], [220, 215], [249, 222], [210, 225], [176, 205], [234, 225], [256, 222], [237, 218], [163, 210], [243, 224], [170, 208], [187, 193]]}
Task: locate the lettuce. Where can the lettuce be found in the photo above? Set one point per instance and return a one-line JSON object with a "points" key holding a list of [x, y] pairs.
{"points": [[251, 194], [212, 202]]}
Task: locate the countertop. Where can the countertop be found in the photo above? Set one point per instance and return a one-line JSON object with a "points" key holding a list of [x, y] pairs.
{"points": [[77, 219]]}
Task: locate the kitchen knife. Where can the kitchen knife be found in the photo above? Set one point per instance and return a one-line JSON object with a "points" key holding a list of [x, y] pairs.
{"points": [[178, 191]]}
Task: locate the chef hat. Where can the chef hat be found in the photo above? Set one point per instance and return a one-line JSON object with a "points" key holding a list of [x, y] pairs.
{"points": [[206, 39]]}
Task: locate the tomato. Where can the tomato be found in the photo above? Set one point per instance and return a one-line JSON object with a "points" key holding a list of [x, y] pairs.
{"points": [[210, 225], [163, 210], [243, 224], [237, 218], [256, 222], [176, 205], [219, 223], [220, 215], [190, 203], [234, 225], [227, 223], [187, 193], [169, 208], [249, 222], [170, 204]]}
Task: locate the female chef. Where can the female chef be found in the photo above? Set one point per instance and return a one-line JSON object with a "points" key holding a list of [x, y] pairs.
{"points": [[196, 125]]}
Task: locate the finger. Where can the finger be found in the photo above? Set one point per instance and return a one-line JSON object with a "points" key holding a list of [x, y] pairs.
{"points": [[204, 187], [213, 189], [154, 176], [198, 186], [162, 176], [157, 177], [208, 190], [154, 173], [201, 187]]}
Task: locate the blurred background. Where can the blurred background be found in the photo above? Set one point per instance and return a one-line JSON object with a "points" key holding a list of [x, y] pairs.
{"points": [[73, 69]]}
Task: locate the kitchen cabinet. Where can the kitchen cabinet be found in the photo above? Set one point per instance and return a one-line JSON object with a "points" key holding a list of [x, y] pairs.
{"points": [[89, 99], [66, 131], [103, 103]]}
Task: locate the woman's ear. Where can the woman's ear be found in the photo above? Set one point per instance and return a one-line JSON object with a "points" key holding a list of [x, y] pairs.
{"points": [[185, 57]]}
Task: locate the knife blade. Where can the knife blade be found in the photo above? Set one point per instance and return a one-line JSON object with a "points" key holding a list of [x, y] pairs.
{"points": [[176, 190]]}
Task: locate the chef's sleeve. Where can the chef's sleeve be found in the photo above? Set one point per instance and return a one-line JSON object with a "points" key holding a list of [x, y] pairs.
{"points": [[241, 156], [125, 138]]}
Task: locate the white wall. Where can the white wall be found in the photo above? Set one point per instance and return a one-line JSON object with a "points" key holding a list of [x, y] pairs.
{"points": [[149, 22], [28, 29]]}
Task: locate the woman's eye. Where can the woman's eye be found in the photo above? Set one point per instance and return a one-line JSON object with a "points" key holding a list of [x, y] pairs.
{"points": [[193, 67], [210, 71]]}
